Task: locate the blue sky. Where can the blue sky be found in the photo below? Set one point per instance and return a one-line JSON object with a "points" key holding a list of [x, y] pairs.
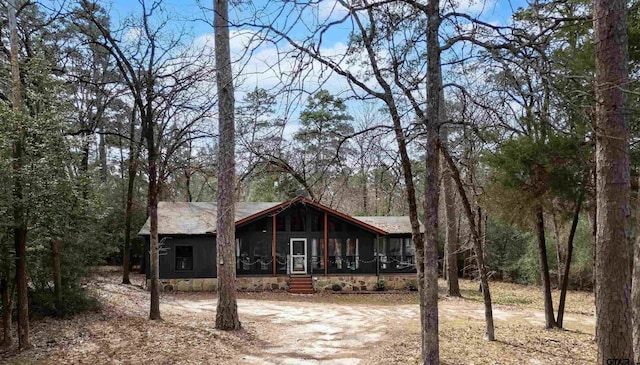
{"points": [[259, 70]]}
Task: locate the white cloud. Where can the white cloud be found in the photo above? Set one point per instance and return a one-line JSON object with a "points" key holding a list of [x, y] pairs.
{"points": [[473, 7]]}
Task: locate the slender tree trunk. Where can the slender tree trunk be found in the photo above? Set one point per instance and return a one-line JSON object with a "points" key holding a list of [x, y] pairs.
{"points": [[7, 306], [102, 149], [134, 152], [57, 277], [20, 231], [426, 311], [556, 233], [187, 176], [549, 315], [227, 309], [489, 334], [567, 264], [451, 237], [434, 118], [635, 285], [154, 247], [365, 191], [613, 276]]}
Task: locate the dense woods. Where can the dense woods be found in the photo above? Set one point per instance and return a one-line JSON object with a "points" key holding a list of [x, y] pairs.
{"points": [[512, 141]]}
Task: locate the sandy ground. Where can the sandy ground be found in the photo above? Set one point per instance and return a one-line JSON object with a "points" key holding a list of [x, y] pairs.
{"points": [[322, 333], [288, 329]]}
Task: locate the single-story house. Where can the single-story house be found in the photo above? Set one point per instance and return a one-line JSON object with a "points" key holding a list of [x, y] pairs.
{"points": [[297, 245]]}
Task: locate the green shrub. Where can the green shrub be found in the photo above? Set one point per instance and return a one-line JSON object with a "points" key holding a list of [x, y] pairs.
{"points": [[74, 300], [380, 285], [336, 287]]}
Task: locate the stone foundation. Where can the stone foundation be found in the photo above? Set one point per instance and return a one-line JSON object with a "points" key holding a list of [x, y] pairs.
{"points": [[365, 282], [320, 283], [243, 284]]}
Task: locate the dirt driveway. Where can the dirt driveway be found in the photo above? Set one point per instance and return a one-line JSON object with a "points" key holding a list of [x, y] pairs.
{"points": [[279, 328], [325, 333]]}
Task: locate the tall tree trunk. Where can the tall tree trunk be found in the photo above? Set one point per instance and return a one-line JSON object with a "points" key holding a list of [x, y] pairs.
{"points": [[567, 264], [7, 306], [635, 284], [154, 247], [613, 276], [365, 191], [556, 233], [227, 310], [20, 230], [57, 276], [434, 116], [477, 240], [426, 309], [451, 232], [102, 150], [549, 314], [132, 171]]}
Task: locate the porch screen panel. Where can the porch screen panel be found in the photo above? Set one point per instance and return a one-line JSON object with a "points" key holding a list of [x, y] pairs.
{"points": [[334, 248], [409, 251], [282, 254], [396, 255], [317, 255], [395, 250], [353, 254]]}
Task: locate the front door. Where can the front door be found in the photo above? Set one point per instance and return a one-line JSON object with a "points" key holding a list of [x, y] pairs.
{"points": [[298, 248]]}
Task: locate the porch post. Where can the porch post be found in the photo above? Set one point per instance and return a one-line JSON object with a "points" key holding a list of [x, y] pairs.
{"points": [[376, 248], [273, 246], [326, 245]]}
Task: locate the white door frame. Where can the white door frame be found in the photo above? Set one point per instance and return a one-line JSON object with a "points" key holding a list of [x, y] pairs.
{"points": [[294, 256]]}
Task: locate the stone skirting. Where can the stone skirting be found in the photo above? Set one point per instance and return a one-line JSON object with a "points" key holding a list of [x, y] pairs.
{"points": [[320, 283], [365, 282]]}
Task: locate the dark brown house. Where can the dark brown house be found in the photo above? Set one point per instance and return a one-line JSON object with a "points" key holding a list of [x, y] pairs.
{"points": [[298, 245]]}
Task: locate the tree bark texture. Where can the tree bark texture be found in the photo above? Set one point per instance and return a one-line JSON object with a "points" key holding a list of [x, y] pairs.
{"points": [[7, 306], [613, 276], [451, 232], [132, 172], [567, 263], [549, 315], [227, 309], [56, 273], [102, 150], [20, 230], [489, 334], [154, 247], [431, 352], [635, 285]]}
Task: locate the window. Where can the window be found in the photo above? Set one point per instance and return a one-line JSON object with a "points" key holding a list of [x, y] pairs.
{"points": [[184, 258]]}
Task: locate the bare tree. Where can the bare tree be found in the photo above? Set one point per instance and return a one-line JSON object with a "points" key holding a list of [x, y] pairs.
{"points": [[165, 80]]}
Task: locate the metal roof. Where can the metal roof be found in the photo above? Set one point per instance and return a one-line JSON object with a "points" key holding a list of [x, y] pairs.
{"points": [[197, 218], [393, 225]]}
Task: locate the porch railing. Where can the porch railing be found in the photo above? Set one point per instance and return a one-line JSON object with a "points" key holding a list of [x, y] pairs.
{"points": [[258, 265], [263, 265]]}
